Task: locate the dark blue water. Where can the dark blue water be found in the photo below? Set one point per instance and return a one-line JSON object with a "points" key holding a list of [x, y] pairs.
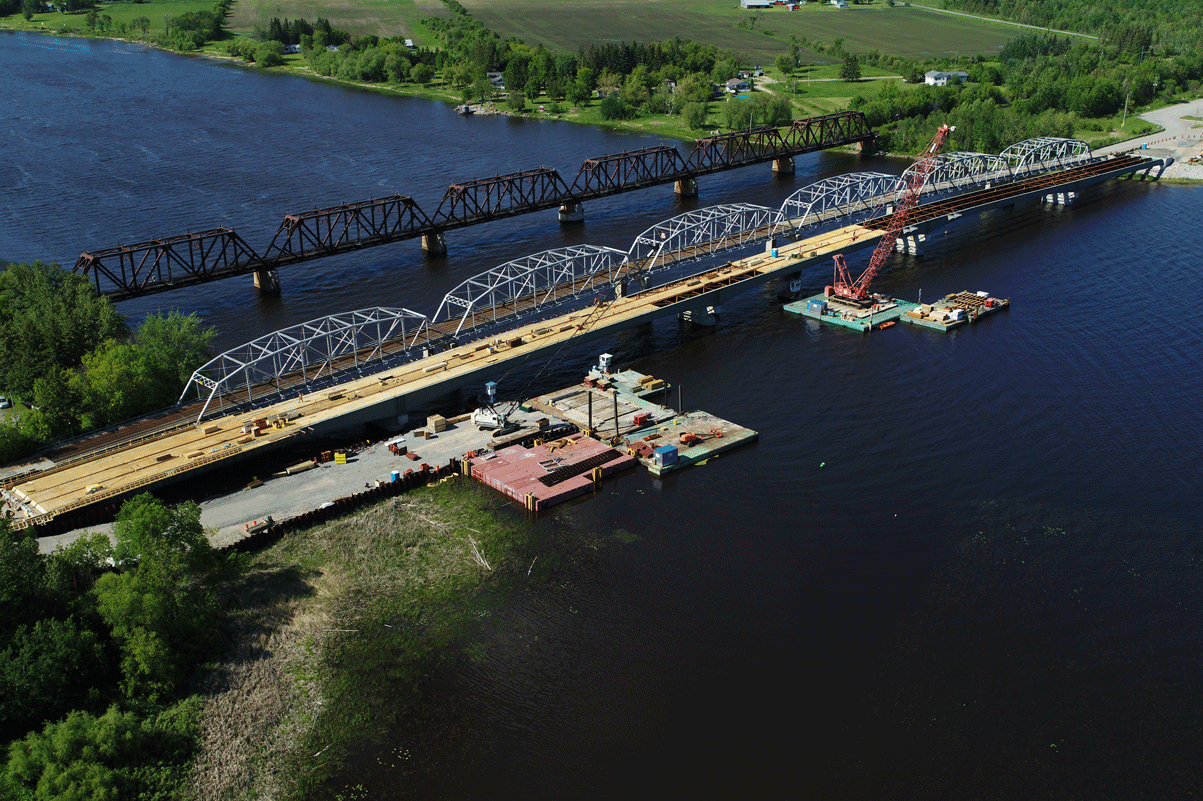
{"points": [[991, 589]]}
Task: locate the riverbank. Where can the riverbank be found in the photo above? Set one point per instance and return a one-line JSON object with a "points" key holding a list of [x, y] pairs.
{"points": [[333, 631]]}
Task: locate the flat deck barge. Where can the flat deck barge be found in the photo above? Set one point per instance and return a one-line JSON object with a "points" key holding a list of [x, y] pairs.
{"points": [[955, 310], [881, 313]]}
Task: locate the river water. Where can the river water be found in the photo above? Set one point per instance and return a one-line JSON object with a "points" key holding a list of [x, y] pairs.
{"points": [[960, 565]]}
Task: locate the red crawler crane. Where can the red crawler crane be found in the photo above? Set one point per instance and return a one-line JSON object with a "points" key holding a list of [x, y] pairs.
{"points": [[848, 289]]}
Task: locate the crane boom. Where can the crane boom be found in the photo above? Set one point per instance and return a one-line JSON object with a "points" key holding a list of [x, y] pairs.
{"points": [[844, 286]]}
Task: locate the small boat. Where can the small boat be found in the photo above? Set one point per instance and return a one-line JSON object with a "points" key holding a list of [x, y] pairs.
{"points": [[465, 110], [886, 324], [794, 292]]}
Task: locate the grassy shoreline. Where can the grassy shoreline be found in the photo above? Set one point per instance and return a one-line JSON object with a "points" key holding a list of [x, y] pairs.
{"points": [[335, 629]]}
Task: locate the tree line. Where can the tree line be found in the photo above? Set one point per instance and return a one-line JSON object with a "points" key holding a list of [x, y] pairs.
{"points": [[97, 646], [1134, 24], [73, 358], [1041, 85]]}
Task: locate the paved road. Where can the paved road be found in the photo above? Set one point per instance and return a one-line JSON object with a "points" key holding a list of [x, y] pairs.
{"points": [[1181, 138]]}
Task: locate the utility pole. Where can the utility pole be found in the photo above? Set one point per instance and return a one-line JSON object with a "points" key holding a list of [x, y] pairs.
{"points": [[1125, 122]]}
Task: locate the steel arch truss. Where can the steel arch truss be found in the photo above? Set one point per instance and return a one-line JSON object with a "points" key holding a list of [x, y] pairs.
{"points": [[855, 195], [702, 232], [959, 171], [305, 353], [1045, 153], [529, 285]]}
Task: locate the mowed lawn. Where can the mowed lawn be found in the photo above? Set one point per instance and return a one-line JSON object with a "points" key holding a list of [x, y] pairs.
{"points": [[899, 31], [358, 17]]}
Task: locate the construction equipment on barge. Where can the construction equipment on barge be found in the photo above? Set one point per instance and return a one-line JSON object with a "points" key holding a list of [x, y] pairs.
{"points": [[857, 292]]}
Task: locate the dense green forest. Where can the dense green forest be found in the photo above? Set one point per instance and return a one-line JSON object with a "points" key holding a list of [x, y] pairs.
{"points": [[71, 356], [1172, 24], [97, 644]]}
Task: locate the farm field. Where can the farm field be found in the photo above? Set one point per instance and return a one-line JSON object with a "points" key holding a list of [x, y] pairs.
{"points": [[911, 32], [120, 13], [358, 17]]}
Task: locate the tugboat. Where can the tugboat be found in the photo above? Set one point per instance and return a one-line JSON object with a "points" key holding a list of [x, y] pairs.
{"points": [[795, 289]]}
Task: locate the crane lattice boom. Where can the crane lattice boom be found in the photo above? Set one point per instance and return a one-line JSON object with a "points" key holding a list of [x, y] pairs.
{"points": [[844, 286]]}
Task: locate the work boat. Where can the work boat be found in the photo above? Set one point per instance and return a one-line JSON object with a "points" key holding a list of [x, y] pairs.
{"points": [[794, 291]]}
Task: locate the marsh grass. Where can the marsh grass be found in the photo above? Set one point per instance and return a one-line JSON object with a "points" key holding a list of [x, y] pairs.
{"points": [[333, 630]]}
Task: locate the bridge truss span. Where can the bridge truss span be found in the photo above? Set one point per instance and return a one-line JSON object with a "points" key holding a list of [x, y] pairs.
{"points": [[955, 172], [528, 286], [650, 166], [162, 264], [501, 196], [849, 197], [306, 353], [1044, 153], [351, 225], [704, 232]]}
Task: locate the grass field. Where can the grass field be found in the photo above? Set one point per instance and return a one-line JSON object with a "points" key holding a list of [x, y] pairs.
{"points": [[380, 17], [899, 31], [120, 12]]}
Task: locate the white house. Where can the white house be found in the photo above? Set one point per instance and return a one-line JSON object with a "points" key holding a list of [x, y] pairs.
{"points": [[937, 78], [839, 3], [755, 4]]}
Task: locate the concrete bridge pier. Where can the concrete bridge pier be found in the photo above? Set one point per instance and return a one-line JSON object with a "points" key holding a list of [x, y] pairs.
{"points": [[1061, 198], [707, 316], [783, 166], [267, 282], [435, 244], [910, 243], [686, 187], [572, 213]]}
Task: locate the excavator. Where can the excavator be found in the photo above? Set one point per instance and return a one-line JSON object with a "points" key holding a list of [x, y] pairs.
{"points": [[857, 292], [493, 415]]}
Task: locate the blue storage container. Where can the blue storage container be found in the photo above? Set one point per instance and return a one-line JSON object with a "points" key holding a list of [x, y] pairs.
{"points": [[665, 455]]}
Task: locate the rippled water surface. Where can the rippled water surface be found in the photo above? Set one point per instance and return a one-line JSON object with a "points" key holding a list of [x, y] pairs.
{"points": [[990, 590]]}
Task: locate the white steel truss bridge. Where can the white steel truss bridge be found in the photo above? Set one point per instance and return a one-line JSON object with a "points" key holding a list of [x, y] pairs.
{"points": [[959, 172], [704, 232], [307, 353], [1045, 153], [528, 286], [847, 198]]}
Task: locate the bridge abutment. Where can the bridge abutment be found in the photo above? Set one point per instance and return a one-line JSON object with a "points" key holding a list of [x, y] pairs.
{"points": [[435, 244], [783, 166], [572, 213], [686, 187], [267, 282]]}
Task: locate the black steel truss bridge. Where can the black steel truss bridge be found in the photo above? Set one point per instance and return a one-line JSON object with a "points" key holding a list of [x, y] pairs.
{"points": [[160, 265]]}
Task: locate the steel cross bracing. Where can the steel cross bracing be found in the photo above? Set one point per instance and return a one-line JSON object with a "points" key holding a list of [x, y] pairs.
{"points": [[846, 198], [168, 263], [352, 225], [158, 265], [528, 286], [703, 232], [1045, 153], [305, 353]]}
